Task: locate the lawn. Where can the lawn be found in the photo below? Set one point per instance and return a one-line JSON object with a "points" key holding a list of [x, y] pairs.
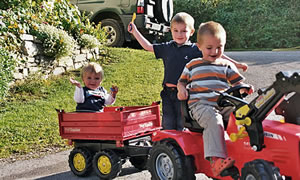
{"points": [[28, 119]]}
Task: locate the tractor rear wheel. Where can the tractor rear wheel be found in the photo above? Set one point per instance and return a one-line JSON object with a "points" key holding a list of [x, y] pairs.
{"points": [[260, 169], [167, 161], [107, 164], [80, 161]]}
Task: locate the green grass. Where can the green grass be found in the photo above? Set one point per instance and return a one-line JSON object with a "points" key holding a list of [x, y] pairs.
{"points": [[28, 120]]}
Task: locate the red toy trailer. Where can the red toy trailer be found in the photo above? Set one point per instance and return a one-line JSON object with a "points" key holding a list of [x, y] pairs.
{"points": [[263, 149], [103, 140]]}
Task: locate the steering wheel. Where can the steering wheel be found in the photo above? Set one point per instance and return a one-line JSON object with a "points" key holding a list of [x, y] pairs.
{"points": [[233, 96]]}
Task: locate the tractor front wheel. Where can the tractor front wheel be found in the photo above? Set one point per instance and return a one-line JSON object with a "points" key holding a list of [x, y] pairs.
{"points": [[107, 164], [260, 169], [167, 161], [80, 161]]}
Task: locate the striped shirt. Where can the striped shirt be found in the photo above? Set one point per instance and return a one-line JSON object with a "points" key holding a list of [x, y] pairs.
{"points": [[203, 78]]}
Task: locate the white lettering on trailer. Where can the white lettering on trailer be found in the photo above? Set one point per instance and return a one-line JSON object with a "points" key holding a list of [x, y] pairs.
{"points": [[144, 125], [72, 130]]}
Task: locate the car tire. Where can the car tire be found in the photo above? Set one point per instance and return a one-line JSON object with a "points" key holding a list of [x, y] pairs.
{"points": [[163, 10], [260, 169], [115, 35]]}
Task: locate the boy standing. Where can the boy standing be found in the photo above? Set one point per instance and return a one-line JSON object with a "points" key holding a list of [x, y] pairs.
{"points": [[175, 55], [203, 77]]}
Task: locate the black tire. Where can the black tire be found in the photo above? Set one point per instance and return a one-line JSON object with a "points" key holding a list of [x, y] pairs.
{"points": [[80, 162], [107, 164], [260, 169], [163, 10], [139, 162], [168, 162], [115, 34]]}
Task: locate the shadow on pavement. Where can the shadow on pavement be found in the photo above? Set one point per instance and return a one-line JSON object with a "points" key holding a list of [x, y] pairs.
{"points": [[92, 176]]}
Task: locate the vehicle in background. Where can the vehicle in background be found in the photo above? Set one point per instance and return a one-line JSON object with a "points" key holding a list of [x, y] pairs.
{"points": [[152, 17]]}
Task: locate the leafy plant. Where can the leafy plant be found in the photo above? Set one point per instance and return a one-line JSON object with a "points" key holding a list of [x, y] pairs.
{"points": [[6, 69], [56, 42], [88, 41], [249, 24]]}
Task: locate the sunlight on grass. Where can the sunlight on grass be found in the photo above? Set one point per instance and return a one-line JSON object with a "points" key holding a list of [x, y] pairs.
{"points": [[28, 119]]}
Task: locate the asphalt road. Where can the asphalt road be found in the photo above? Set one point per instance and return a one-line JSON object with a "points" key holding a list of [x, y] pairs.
{"points": [[263, 65]]}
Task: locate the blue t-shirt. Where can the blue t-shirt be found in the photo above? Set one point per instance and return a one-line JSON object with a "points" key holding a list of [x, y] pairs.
{"points": [[175, 58]]}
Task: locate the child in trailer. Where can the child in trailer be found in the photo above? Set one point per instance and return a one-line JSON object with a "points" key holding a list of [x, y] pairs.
{"points": [[92, 97], [203, 77]]}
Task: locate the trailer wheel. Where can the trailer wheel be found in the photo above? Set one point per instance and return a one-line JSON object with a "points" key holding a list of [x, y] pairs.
{"points": [[139, 162], [107, 164], [168, 162], [80, 161], [260, 169]]}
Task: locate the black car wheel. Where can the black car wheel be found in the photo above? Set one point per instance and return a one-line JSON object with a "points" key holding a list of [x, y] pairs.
{"points": [[163, 10], [260, 169], [114, 32], [168, 162], [80, 161], [107, 164]]}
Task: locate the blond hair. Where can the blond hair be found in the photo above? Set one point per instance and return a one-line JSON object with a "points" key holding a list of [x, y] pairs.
{"points": [[92, 68], [183, 17], [211, 28]]}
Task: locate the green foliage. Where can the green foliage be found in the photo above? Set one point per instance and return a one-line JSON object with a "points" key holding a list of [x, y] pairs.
{"points": [[19, 17], [56, 42], [88, 41], [29, 122], [6, 69], [249, 23]]}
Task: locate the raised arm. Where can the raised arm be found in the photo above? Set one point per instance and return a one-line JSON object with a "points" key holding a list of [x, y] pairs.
{"points": [[242, 66], [139, 37]]}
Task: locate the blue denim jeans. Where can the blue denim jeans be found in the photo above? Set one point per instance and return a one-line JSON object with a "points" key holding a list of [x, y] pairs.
{"points": [[172, 118]]}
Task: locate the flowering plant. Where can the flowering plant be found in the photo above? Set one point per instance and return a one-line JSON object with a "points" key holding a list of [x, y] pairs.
{"points": [[56, 42]]}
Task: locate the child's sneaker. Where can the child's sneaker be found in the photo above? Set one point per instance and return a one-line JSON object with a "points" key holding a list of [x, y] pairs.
{"points": [[221, 164]]}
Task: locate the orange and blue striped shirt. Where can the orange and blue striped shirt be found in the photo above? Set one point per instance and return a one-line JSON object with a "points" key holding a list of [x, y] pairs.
{"points": [[203, 78]]}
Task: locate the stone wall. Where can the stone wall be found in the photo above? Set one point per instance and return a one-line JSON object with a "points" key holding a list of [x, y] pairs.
{"points": [[35, 62]]}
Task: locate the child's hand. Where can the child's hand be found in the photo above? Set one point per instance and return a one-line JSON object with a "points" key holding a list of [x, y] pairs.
{"points": [[114, 90], [131, 27], [242, 66], [74, 82], [182, 94], [248, 91]]}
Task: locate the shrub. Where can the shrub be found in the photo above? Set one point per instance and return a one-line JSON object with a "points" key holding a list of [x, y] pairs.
{"points": [[88, 41], [18, 17], [249, 24], [56, 42], [6, 69]]}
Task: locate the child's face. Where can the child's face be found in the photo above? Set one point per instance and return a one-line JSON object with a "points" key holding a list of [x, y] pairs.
{"points": [[181, 33], [212, 47], [92, 80]]}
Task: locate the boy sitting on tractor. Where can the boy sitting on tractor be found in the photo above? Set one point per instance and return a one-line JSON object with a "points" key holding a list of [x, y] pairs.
{"points": [[199, 81]]}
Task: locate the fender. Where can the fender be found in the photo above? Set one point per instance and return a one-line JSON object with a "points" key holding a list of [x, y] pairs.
{"points": [[190, 142]]}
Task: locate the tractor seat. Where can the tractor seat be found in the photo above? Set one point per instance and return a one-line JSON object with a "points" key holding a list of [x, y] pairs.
{"points": [[188, 121]]}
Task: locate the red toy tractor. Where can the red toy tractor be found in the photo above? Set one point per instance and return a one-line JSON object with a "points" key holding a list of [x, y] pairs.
{"points": [[263, 149]]}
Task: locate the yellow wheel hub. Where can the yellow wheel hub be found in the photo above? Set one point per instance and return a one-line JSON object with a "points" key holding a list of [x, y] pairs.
{"points": [[79, 162], [104, 164]]}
